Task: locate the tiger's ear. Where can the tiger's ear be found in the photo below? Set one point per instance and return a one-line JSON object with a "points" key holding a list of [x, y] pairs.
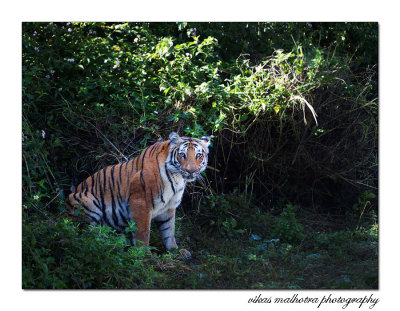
{"points": [[174, 138], [206, 140]]}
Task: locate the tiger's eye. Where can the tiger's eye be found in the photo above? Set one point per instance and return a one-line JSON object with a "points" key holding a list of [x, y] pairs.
{"points": [[182, 155], [199, 156]]}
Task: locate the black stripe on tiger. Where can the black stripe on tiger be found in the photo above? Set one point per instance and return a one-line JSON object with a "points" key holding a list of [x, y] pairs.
{"points": [[121, 215], [113, 206], [161, 181], [120, 176], [159, 223], [86, 189], [91, 212], [173, 160], [137, 163], [97, 203], [132, 166], [87, 209], [128, 213], [98, 183], [119, 196], [144, 155], [112, 176], [103, 205], [105, 180], [164, 229], [152, 197], [126, 167], [92, 181], [170, 181], [154, 148], [77, 200], [143, 182], [161, 194]]}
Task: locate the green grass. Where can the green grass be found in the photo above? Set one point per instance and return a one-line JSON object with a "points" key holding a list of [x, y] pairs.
{"points": [[337, 260], [62, 254]]}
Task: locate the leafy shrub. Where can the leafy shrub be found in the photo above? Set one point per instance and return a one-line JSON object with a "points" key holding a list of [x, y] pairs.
{"points": [[58, 254], [115, 88], [286, 227], [225, 215]]}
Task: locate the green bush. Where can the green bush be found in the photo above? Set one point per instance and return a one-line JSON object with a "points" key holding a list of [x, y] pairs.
{"points": [[286, 227], [116, 88], [58, 254]]}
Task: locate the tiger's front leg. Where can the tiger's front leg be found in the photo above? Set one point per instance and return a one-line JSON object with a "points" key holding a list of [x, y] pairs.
{"points": [[166, 224], [141, 208], [141, 216]]}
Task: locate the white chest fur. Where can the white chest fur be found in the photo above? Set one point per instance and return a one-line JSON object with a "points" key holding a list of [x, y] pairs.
{"points": [[173, 186]]}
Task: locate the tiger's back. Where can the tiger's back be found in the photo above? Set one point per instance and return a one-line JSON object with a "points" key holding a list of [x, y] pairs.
{"points": [[104, 196], [145, 188]]}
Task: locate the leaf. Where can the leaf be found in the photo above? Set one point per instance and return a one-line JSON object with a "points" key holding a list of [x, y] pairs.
{"points": [[255, 237], [57, 142], [182, 26], [263, 106]]}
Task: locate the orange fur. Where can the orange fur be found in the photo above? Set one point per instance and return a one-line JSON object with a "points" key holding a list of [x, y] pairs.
{"points": [[145, 188]]}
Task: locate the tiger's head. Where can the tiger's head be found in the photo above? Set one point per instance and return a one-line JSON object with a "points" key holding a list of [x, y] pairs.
{"points": [[188, 155]]}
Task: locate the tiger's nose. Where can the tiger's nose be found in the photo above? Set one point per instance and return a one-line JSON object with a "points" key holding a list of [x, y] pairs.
{"points": [[191, 170]]}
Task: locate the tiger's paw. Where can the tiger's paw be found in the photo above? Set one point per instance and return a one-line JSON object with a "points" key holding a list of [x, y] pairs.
{"points": [[185, 254]]}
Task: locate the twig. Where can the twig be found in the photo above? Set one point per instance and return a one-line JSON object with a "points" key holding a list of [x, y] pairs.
{"points": [[304, 103], [362, 213], [112, 145], [29, 176], [32, 204], [51, 200], [213, 168], [358, 182], [104, 136]]}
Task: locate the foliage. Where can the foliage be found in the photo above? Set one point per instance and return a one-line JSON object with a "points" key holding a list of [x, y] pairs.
{"points": [[293, 108], [58, 254], [341, 259], [116, 88], [286, 227]]}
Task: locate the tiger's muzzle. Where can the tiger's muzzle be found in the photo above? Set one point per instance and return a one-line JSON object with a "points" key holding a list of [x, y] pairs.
{"points": [[190, 175]]}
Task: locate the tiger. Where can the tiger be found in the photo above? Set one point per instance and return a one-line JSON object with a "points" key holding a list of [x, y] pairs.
{"points": [[148, 187]]}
